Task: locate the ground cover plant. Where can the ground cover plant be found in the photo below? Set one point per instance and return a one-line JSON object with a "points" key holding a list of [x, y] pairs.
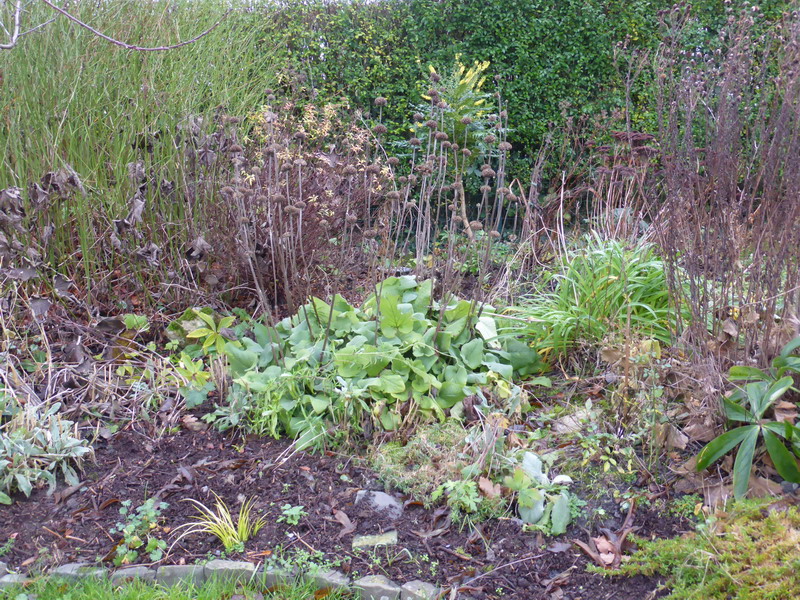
{"points": [[458, 301]]}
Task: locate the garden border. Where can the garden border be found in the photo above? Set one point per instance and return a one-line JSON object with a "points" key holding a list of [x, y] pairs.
{"points": [[371, 587]]}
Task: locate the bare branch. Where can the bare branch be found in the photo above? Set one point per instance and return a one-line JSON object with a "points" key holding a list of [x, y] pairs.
{"points": [[76, 20], [12, 41]]}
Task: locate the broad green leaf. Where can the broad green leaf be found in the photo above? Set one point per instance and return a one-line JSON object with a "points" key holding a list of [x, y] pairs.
{"points": [[790, 347], [199, 333], [542, 381], [320, 405], [559, 517], [775, 391], [390, 420], [736, 412], [394, 319], [505, 371], [747, 373], [487, 327], [450, 394], [472, 353], [209, 319], [391, 383], [457, 312], [720, 446], [744, 462], [5, 498], [523, 358], [225, 322], [785, 463], [24, 484], [240, 361]]}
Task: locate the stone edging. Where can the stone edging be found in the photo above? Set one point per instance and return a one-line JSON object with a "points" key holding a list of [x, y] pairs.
{"points": [[371, 587]]}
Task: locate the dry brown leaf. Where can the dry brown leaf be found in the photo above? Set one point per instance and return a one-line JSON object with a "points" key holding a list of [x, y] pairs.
{"points": [[347, 524], [489, 489], [603, 545], [607, 557], [785, 411], [191, 423]]}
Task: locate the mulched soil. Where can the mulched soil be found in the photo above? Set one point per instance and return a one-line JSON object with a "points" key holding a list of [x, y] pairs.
{"points": [[73, 524]]}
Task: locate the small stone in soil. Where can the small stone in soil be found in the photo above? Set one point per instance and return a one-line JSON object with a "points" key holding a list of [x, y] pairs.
{"points": [[419, 590], [370, 541], [382, 503], [377, 587]]}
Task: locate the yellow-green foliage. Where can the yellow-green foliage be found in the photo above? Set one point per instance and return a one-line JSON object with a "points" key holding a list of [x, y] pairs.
{"points": [[749, 553]]}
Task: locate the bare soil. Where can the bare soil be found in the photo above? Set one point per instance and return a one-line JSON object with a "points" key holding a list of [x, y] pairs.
{"points": [[73, 524]]}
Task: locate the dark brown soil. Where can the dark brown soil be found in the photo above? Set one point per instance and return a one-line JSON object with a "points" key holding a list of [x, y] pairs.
{"points": [[74, 524]]}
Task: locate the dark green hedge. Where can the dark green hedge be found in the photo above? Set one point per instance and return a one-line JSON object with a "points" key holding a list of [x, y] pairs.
{"points": [[553, 57]]}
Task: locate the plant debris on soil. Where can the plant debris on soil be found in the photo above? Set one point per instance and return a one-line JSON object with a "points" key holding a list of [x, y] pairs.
{"points": [[497, 559]]}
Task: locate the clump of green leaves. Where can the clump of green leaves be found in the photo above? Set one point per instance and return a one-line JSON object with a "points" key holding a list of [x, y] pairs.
{"points": [[35, 445], [750, 552], [541, 503], [749, 404], [138, 530], [291, 515], [401, 353], [219, 523], [606, 287]]}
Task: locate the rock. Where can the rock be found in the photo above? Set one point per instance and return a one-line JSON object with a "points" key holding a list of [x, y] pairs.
{"points": [[380, 502], [419, 590], [172, 575], [12, 580], [274, 576], [77, 571], [332, 580], [370, 541], [131, 573], [230, 571], [573, 423], [377, 587], [3, 568]]}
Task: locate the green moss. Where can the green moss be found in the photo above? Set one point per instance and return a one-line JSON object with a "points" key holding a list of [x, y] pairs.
{"points": [[751, 552]]}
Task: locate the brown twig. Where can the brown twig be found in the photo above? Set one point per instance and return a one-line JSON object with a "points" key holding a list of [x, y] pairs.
{"points": [[88, 27]]}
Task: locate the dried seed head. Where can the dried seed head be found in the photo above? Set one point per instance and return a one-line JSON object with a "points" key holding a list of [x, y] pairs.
{"points": [[466, 152], [488, 173], [475, 225], [299, 162], [299, 205], [393, 160], [350, 170], [504, 191], [466, 120], [380, 101], [379, 129], [393, 195], [452, 207], [270, 97], [291, 210], [440, 135], [324, 223], [351, 218], [435, 77], [256, 170], [491, 118], [373, 168], [286, 167], [442, 104], [512, 237], [262, 199], [504, 146], [418, 117], [412, 179], [431, 124], [494, 234], [227, 190], [458, 220], [485, 189], [301, 136], [446, 145], [243, 190], [416, 142], [403, 178], [235, 148], [279, 198], [490, 139], [409, 205], [370, 233], [503, 114]]}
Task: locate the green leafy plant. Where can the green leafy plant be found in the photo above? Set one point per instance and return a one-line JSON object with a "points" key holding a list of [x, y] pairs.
{"points": [[138, 532], [603, 288], [462, 495], [211, 335], [749, 404], [336, 367], [541, 503], [291, 515], [35, 445], [219, 523]]}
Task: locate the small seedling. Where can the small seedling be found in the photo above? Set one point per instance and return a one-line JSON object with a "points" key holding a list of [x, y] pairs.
{"points": [[291, 515]]}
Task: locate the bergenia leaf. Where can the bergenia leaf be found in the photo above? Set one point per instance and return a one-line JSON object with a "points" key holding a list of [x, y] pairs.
{"points": [[744, 462], [720, 446]]}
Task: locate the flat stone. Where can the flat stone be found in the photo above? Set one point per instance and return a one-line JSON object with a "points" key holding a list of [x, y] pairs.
{"points": [[3, 568], [332, 580], [388, 506], [230, 571], [78, 571], [419, 590], [131, 573], [274, 576], [172, 575], [377, 587], [370, 541], [12, 580]]}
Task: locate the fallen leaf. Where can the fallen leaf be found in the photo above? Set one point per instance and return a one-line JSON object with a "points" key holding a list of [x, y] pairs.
{"points": [[603, 545], [607, 557], [558, 547], [489, 489], [347, 524], [192, 423], [785, 411]]}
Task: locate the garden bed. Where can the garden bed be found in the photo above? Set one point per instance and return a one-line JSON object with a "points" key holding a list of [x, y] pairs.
{"points": [[75, 524]]}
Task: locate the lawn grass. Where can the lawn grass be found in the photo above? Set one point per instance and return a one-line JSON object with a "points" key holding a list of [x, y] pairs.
{"points": [[102, 589]]}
